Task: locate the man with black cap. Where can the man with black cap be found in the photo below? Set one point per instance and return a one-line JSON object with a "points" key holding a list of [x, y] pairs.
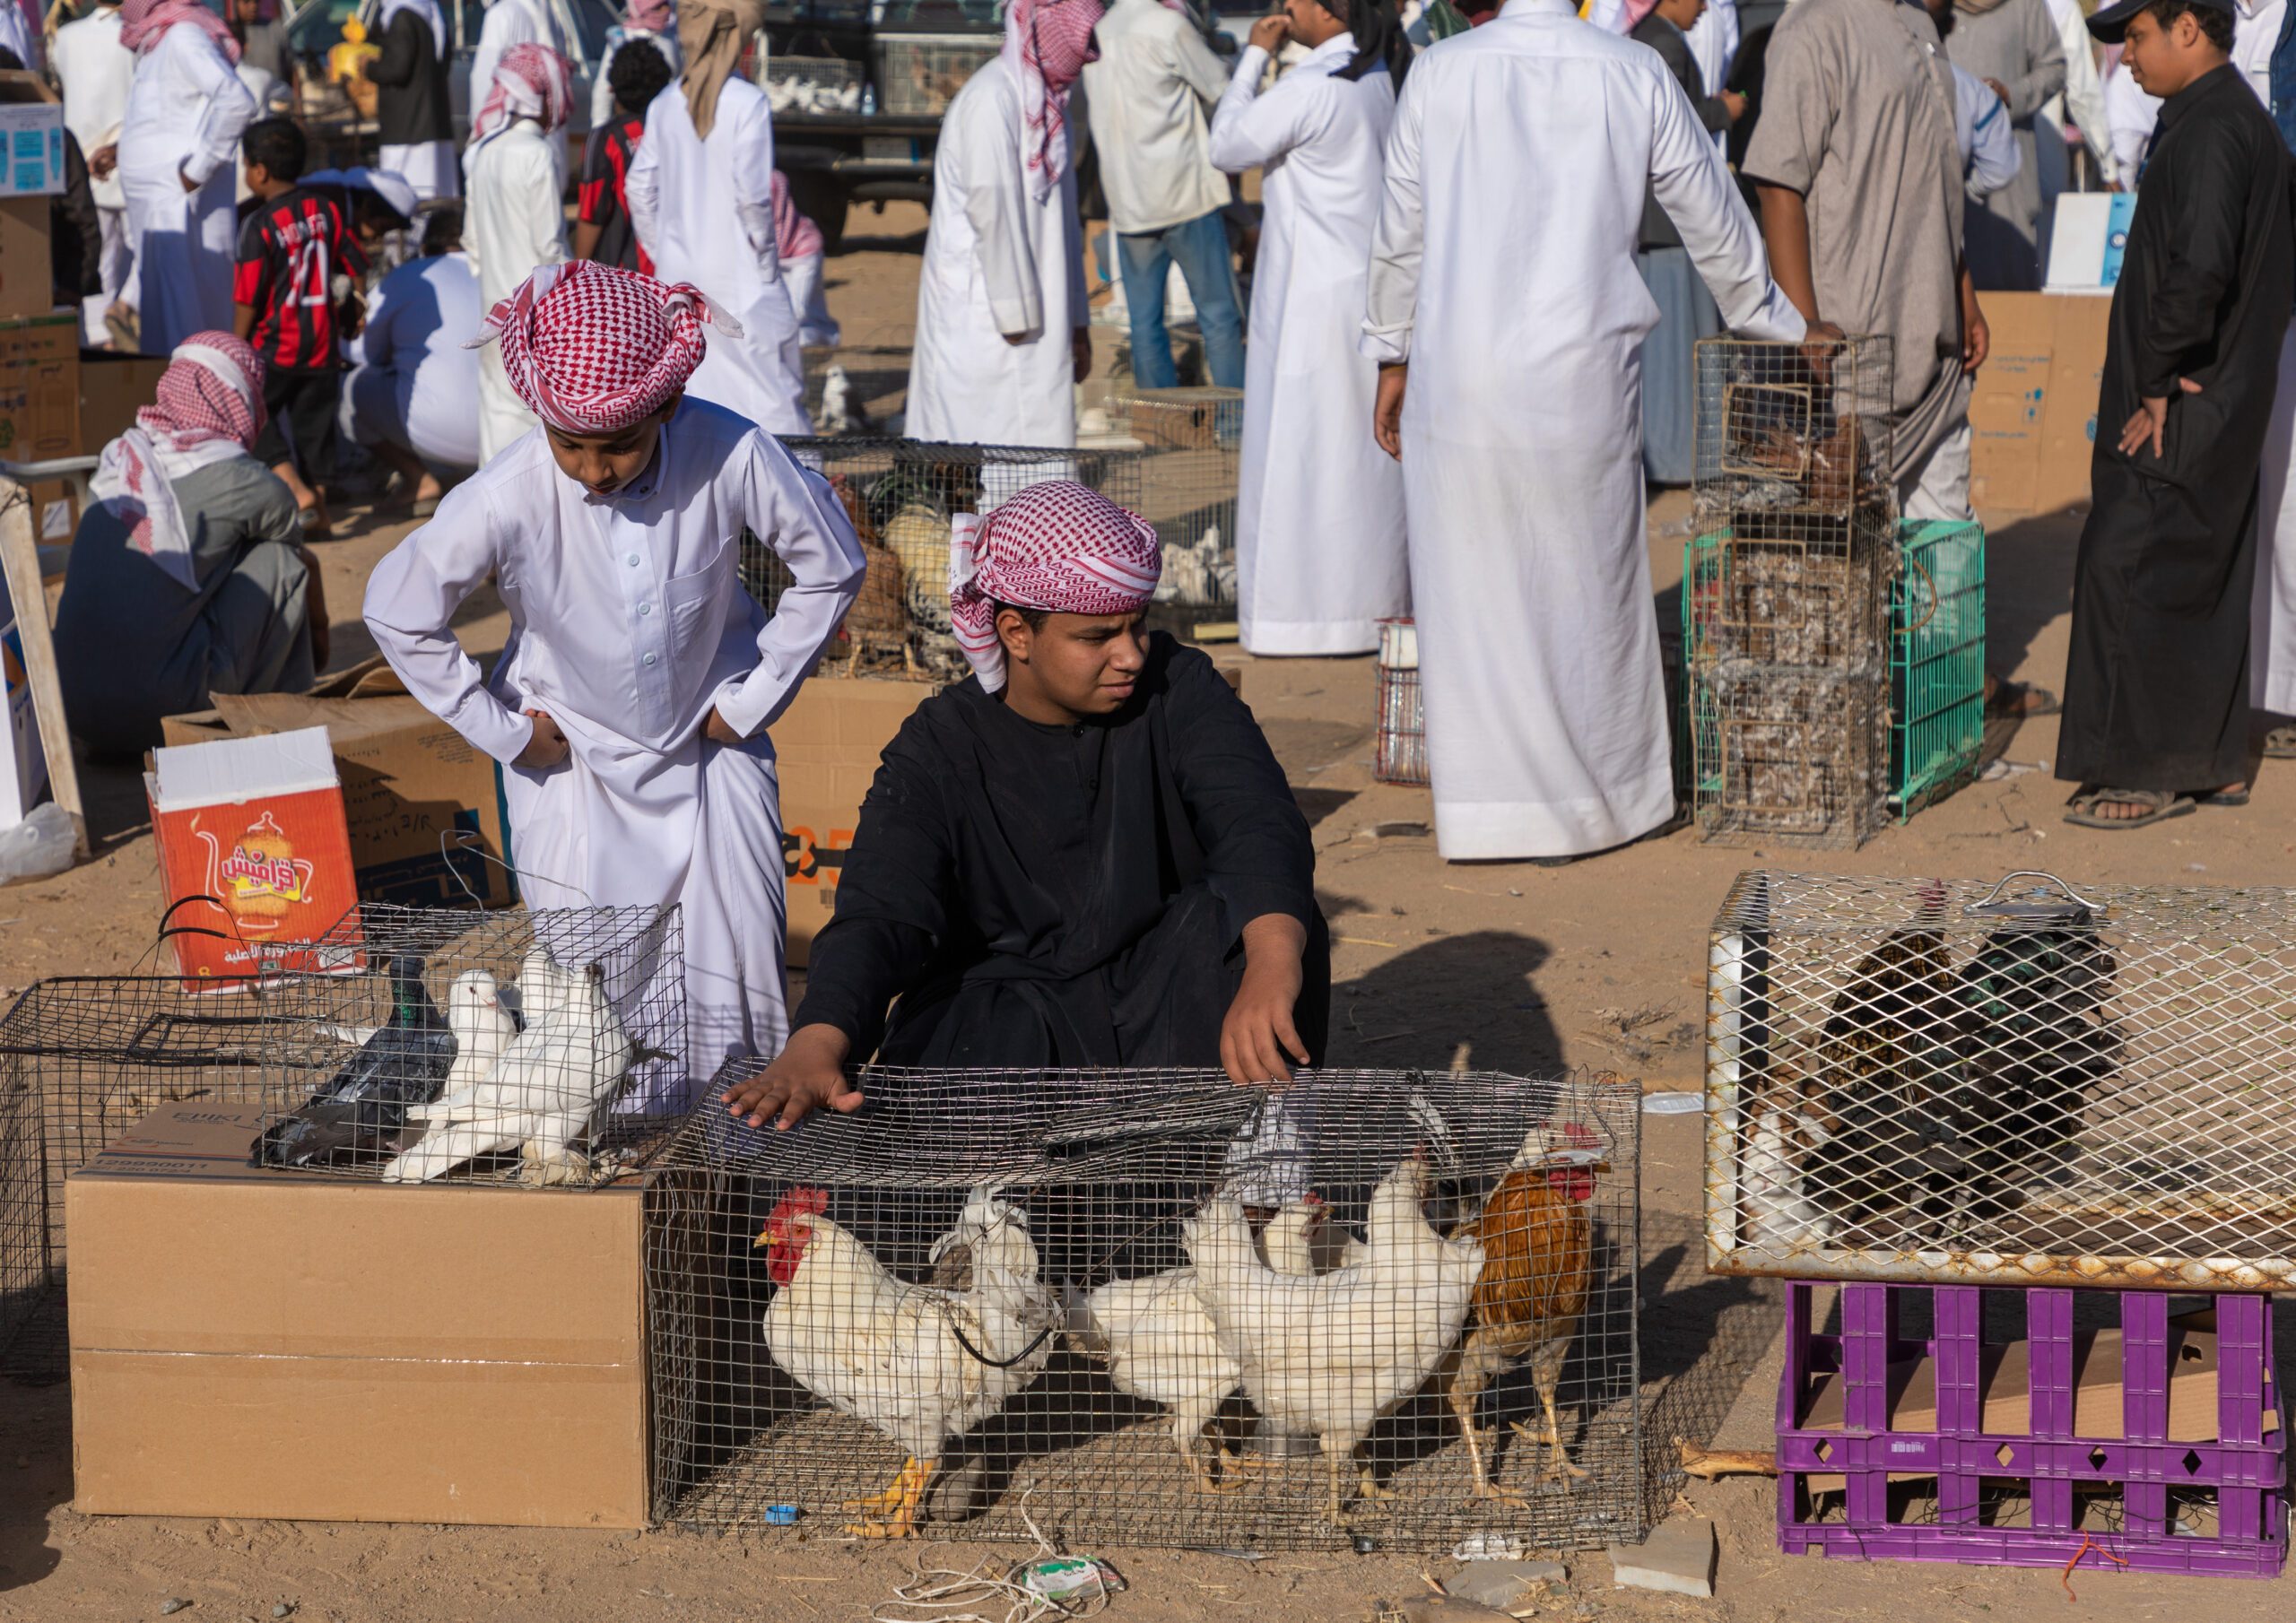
{"points": [[2156, 695]]}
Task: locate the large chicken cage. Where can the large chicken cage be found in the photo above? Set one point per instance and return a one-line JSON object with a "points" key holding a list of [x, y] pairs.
{"points": [[546, 1047], [1152, 1308], [2022, 1082]]}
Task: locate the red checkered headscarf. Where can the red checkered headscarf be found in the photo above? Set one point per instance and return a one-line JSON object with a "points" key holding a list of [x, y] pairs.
{"points": [[206, 408], [592, 349], [143, 23], [1057, 546], [1047, 44], [530, 81]]}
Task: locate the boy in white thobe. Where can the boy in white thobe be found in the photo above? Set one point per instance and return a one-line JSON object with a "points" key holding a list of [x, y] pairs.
{"points": [[95, 69], [1002, 339], [631, 701], [177, 142], [1519, 312], [515, 223], [1320, 519], [700, 199]]}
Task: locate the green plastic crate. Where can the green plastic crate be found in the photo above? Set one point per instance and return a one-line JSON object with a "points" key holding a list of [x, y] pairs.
{"points": [[1937, 662]]}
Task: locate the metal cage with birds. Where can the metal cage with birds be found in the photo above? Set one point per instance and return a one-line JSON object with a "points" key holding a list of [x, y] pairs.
{"points": [[1152, 1308], [546, 1047], [2015, 1083], [1191, 443]]}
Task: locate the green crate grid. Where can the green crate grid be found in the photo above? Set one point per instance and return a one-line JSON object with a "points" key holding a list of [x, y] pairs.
{"points": [[1937, 662]]}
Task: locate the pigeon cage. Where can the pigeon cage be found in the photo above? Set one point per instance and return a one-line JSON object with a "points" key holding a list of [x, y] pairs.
{"points": [[1151, 1308], [918, 74], [901, 495], [1934, 1081], [1192, 441], [538, 1048], [1399, 754], [1786, 591]]}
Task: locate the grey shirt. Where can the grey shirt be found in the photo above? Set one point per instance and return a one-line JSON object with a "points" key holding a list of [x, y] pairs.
{"points": [[2016, 43], [1858, 117], [133, 646]]}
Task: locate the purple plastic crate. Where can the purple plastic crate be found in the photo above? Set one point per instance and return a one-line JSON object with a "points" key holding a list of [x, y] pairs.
{"points": [[2245, 1466]]}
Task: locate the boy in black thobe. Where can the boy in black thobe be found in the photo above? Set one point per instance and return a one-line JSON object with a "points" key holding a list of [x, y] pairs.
{"points": [[2156, 709]]}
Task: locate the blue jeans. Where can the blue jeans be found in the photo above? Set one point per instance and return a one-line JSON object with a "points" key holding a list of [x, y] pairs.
{"points": [[1200, 246]]}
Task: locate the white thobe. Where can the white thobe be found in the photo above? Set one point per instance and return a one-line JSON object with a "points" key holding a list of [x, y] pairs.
{"points": [[95, 69], [185, 108], [1319, 547], [996, 261], [1982, 131], [412, 381], [428, 166], [2272, 613], [2082, 101], [18, 34], [1519, 310], [704, 210], [2130, 115], [515, 224], [629, 625]]}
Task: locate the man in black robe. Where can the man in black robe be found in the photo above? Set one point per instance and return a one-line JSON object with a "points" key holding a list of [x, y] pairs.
{"points": [[2156, 708], [1085, 855]]}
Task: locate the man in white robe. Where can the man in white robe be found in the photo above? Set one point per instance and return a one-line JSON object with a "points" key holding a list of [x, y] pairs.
{"points": [[95, 69], [511, 23], [1002, 333], [700, 199], [2271, 616], [630, 707], [516, 223], [1319, 514], [413, 379], [1502, 278], [178, 140]]}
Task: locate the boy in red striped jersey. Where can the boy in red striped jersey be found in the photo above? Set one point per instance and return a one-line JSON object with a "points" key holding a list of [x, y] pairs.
{"points": [[296, 292], [603, 232]]}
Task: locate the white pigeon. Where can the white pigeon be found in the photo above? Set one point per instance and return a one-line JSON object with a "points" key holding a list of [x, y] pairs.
{"points": [[481, 1025], [542, 1094]]}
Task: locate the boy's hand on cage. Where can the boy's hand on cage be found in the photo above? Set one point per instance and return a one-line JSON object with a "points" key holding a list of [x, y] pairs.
{"points": [[808, 1075], [547, 748]]}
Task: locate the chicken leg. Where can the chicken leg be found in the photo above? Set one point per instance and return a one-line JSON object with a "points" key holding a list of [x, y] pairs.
{"points": [[899, 1502]]}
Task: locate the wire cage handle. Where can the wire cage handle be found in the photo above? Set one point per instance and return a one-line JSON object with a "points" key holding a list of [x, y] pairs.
{"points": [[1915, 564], [1990, 902]]}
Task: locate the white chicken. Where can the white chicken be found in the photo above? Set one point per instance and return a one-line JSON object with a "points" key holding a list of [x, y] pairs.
{"points": [[1330, 1355], [1159, 1343], [922, 1364]]}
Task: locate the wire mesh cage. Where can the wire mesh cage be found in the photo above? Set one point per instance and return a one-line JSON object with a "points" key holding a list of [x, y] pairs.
{"points": [[811, 85], [1788, 754], [1399, 755], [546, 1047], [919, 74], [1152, 1308], [1792, 441], [1192, 459], [82, 1058], [1943, 1081], [1938, 662]]}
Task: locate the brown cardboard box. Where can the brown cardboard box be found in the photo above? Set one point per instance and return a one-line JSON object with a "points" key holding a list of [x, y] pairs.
{"points": [[40, 389], [303, 1346], [27, 278], [408, 780], [2076, 378], [827, 744], [2033, 404], [112, 388]]}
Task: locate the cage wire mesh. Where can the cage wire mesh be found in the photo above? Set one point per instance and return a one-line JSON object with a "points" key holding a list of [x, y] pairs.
{"points": [[543, 1048], [1193, 449], [1151, 1308], [919, 74], [1785, 598], [1946, 1081], [810, 85], [1399, 754], [1938, 662]]}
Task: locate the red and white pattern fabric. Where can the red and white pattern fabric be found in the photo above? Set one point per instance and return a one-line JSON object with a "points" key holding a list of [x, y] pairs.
{"points": [[794, 236], [206, 408], [143, 23], [592, 349], [531, 81], [1059, 546], [1047, 44]]}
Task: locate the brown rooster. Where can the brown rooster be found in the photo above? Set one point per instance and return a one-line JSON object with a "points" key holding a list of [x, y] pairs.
{"points": [[1538, 1243]]}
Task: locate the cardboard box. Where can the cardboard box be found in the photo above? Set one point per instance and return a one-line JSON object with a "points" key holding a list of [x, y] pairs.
{"points": [[827, 744], [27, 278], [254, 848], [424, 809], [2033, 404], [31, 136], [39, 390], [267, 1343], [112, 389]]}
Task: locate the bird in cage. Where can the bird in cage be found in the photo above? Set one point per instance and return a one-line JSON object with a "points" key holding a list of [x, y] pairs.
{"points": [[1779, 1214], [1159, 1344], [1329, 1356], [922, 1364], [1538, 1247], [360, 1110], [542, 1095]]}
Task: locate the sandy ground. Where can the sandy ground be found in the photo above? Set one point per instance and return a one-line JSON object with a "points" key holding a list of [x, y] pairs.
{"points": [[1522, 967]]}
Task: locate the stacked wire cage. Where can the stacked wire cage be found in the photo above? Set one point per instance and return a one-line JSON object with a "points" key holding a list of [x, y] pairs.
{"points": [[541, 1047], [1938, 662], [1150, 1308], [918, 74], [2064, 1091], [901, 495], [1786, 590], [1192, 450], [1399, 755]]}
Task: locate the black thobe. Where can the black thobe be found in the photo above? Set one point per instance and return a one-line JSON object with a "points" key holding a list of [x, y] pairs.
{"points": [[2156, 687], [1040, 896]]}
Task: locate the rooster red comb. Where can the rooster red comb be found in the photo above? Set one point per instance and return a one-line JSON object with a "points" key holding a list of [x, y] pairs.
{"points": [[803, 1198]]}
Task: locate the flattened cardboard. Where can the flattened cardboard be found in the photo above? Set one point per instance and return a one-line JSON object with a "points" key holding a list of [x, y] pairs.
{"points": [[264, 1343], [112, 388], [827, 746], [27, 278], [2033, 404], [39, 397]]}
